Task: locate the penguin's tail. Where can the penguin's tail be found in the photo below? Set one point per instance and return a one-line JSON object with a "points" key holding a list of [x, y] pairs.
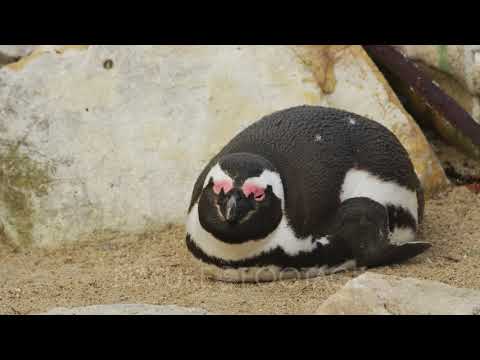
{"points": [[395, 254]]}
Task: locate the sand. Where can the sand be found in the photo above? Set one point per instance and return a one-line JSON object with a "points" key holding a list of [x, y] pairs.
{"points": [[157, 269]]}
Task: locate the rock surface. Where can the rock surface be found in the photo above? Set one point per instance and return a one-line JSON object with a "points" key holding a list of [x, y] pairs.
{"points": [[11, 53], [97, 141], [16, 50], [460, 61], [456, 68], [375, 294], [127, 309]]}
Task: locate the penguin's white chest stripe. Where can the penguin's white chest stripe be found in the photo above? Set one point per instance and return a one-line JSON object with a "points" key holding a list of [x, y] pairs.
{"points": [[216, 248], [360, 183], [282, 237]]}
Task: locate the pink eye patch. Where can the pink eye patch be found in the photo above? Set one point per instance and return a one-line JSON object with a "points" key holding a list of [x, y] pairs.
{"points": [[226, 185], [258, 192]]}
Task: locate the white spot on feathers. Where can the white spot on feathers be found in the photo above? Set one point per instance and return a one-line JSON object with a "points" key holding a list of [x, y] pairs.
{"points": [[324, 241], [402, 235], [318, 138]]}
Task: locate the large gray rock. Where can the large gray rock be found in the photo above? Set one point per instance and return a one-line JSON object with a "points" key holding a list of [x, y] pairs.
{"points": [[10, 53], [16, 50], [375, 294], [456, 69], [127, 309], [103, 140], [460, 61]]}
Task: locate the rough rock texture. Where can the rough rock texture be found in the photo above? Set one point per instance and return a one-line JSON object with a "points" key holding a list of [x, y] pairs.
{"points": [[460, 61], [127, 309], [433, 97], [97, 141], [456, 68], [375, 294], [11, 53], [17, 50]]}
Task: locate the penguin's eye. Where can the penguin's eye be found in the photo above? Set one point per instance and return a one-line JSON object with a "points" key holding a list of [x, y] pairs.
{"points": [[251, 190]]}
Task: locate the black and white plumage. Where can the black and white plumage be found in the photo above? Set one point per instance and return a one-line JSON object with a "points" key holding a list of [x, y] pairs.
{"points": [[305, 191]]}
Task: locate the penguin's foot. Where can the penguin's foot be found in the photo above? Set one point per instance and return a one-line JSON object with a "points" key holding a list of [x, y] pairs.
{"points": [[362, 226]]}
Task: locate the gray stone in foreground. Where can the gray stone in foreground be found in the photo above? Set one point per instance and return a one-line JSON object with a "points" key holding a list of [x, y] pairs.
{"points": [[127, 309], [375, 294]]}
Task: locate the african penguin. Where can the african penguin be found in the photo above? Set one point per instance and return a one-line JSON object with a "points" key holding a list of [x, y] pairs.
{"points": [[305, 191]]}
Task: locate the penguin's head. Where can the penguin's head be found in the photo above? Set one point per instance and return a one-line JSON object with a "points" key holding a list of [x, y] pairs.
{"points": [[242, 198]]}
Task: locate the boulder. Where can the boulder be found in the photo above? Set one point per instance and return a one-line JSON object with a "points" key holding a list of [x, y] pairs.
{"points": [[433, 96], [102, 140], [11, 53], [455, 68], [375, 294], [462, 62], [17, 51], [127, 309]]}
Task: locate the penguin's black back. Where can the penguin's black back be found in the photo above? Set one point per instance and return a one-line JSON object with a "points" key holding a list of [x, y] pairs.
{"points": [[312, 147]]}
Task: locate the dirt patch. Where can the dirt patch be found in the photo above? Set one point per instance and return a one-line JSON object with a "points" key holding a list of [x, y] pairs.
{"points": [[20, 177], [157, 269]]}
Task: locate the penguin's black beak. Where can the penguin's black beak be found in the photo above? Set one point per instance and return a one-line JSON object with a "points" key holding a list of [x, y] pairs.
{"points": [[234, 206], [231, 209]]}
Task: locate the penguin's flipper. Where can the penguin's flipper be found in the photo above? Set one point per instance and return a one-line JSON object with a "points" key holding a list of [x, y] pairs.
{"points": [[362, 225], [398, 253]]}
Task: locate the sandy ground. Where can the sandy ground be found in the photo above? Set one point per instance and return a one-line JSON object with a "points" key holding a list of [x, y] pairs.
{"points": [[157, 269]]}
